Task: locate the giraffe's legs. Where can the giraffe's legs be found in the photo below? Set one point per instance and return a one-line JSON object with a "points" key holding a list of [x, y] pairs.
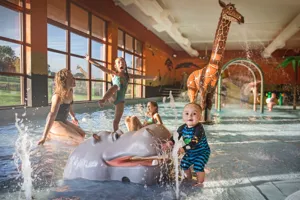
{"points": [[192, 92], [209, 102], [203, 96]]}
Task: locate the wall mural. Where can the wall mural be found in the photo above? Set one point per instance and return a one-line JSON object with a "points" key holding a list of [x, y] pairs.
{"points": [[159, 63], [186, 65], [167, 78], [169, 64]]}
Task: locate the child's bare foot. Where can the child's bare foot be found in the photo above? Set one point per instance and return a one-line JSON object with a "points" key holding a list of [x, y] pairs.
{"points": [[97, 138], [207, 170], [101, 103], [198, 185]]}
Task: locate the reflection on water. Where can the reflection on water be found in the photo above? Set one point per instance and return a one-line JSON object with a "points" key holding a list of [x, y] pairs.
{"points": [[244, 143]]}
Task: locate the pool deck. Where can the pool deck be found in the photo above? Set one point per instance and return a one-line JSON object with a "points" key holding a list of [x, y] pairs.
{"points": [[253, 157], [253, 189]]}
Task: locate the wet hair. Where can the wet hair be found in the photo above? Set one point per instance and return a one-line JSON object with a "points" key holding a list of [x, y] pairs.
{"points": [[153, 103], [60, 82], [194, 104], [126, 72]]}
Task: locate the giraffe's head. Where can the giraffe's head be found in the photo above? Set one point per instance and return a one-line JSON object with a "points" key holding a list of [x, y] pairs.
{"points": [[230, 13]]}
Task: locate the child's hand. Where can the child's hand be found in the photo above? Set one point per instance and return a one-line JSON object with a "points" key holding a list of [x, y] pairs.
{"points": [[181, 151], [75, 121], [87, 57], [41, 141]]}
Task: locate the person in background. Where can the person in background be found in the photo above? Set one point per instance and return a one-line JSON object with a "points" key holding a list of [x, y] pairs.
{"points": [[134, 124], [271, 101]]}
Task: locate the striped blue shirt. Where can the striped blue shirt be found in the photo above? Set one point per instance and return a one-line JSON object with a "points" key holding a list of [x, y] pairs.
{"points": [[188, 133]]}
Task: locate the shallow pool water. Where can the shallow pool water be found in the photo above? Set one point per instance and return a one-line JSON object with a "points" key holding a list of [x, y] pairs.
{"points": [[247, 148]]}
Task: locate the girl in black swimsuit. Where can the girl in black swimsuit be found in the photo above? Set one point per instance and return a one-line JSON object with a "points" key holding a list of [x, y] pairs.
{"points": [[57, 126]]}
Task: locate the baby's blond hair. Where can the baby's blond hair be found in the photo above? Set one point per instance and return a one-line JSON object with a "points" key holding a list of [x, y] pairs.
{"points": [[195, 105]]}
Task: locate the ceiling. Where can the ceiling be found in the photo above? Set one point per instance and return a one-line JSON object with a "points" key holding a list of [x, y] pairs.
{"points": [[197, 21]]}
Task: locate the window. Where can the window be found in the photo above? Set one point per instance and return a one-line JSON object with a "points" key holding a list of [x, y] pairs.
{"points": [[16, 2], [57, 38], [57, 10], [14, 50], [131, 50], [72, 34], [56, 62], [79, 44], [98, 28], [98, 50], [79, 19]]}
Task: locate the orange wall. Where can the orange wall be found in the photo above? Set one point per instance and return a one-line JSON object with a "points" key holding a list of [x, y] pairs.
{"points": [[268, 66], [155, 60]]}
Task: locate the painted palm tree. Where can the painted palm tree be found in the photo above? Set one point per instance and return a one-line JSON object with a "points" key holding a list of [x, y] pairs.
{"points": [[295, 62]]}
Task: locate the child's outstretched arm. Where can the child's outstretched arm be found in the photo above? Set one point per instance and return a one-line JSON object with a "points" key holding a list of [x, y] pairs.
{"points": [[151, 78], [51, 117], [104, 69]]}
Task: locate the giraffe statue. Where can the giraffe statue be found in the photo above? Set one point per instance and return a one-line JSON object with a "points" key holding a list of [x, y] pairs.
{"points": [[86, 75], [205, 80]]}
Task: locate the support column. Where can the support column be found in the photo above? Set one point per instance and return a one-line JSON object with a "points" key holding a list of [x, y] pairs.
{"points": [[112, 47], [37, 81], [112, 37]]}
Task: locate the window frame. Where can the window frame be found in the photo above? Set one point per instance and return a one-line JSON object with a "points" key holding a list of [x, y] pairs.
{"points": [[69, 29], [23, 10]]}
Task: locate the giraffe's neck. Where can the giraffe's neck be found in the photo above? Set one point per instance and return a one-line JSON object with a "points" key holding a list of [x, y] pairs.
{"points": [[84, 72], [219, 43]]}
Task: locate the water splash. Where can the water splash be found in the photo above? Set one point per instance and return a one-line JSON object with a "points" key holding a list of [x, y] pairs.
{"points": [[172, 102], [164, 99], [87, 118], [176, 145], [246, 45], [176, 163], [23, 145]]}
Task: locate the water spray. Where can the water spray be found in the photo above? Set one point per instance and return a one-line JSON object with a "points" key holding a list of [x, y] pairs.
{"points": [[22, 155]]}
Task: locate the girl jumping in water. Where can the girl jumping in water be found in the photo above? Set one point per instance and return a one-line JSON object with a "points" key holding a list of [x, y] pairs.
{"points": [[120, 79]]}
